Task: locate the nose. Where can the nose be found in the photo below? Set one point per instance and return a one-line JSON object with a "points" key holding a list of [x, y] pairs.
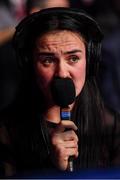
{"points": [[61, 70]]}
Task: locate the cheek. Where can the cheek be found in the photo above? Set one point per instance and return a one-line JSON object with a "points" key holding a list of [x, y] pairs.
{"points": [[43, 76]]}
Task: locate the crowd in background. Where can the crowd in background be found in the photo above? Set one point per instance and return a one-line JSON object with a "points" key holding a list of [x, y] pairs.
{"points": [[107, 14]]}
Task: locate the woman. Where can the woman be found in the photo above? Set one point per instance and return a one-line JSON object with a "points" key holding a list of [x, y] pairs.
{"points": [[58, 44]]}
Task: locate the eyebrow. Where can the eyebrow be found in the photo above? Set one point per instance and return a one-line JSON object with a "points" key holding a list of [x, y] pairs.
{"points": [[67, 52], [73, 51]]}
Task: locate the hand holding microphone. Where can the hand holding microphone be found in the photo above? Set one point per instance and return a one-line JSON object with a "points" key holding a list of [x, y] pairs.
{"points": [[64, 145], [64, 137]]}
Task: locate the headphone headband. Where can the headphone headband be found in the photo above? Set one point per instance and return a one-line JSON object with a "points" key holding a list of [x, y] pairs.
{"points": [[80, 15]]}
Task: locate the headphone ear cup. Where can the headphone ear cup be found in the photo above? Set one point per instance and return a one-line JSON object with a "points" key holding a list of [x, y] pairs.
{"points": [[19, 40]]}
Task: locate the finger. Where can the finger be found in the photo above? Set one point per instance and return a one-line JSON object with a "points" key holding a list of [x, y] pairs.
{"points": [[63, 125], [69, 135], [71, 144], [64, 150], [59, 138], [72, 152]]}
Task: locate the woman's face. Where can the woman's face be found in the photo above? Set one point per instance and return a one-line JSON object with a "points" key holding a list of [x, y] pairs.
{"points": [[61, 54]]}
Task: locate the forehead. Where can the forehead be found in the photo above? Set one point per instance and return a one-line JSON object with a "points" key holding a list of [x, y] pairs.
{"points": [[60, 39]]}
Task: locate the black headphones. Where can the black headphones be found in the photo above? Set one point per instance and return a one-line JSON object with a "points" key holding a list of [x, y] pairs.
{"points": [[91, 31]]}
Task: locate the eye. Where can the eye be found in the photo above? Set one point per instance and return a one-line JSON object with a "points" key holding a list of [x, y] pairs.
{"points": [[46, 60], [74, 58]]}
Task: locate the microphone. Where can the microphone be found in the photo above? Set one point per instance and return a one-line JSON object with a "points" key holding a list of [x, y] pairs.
{"points": [[66, 115], [63, 93]]}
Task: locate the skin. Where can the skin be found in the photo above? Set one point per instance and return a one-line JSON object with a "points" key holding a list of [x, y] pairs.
{"points": [[54, 3], [60, 53], [50, 3]]}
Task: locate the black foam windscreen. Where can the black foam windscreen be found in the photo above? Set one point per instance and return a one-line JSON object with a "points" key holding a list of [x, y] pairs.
{"points": [[63, 91]]}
